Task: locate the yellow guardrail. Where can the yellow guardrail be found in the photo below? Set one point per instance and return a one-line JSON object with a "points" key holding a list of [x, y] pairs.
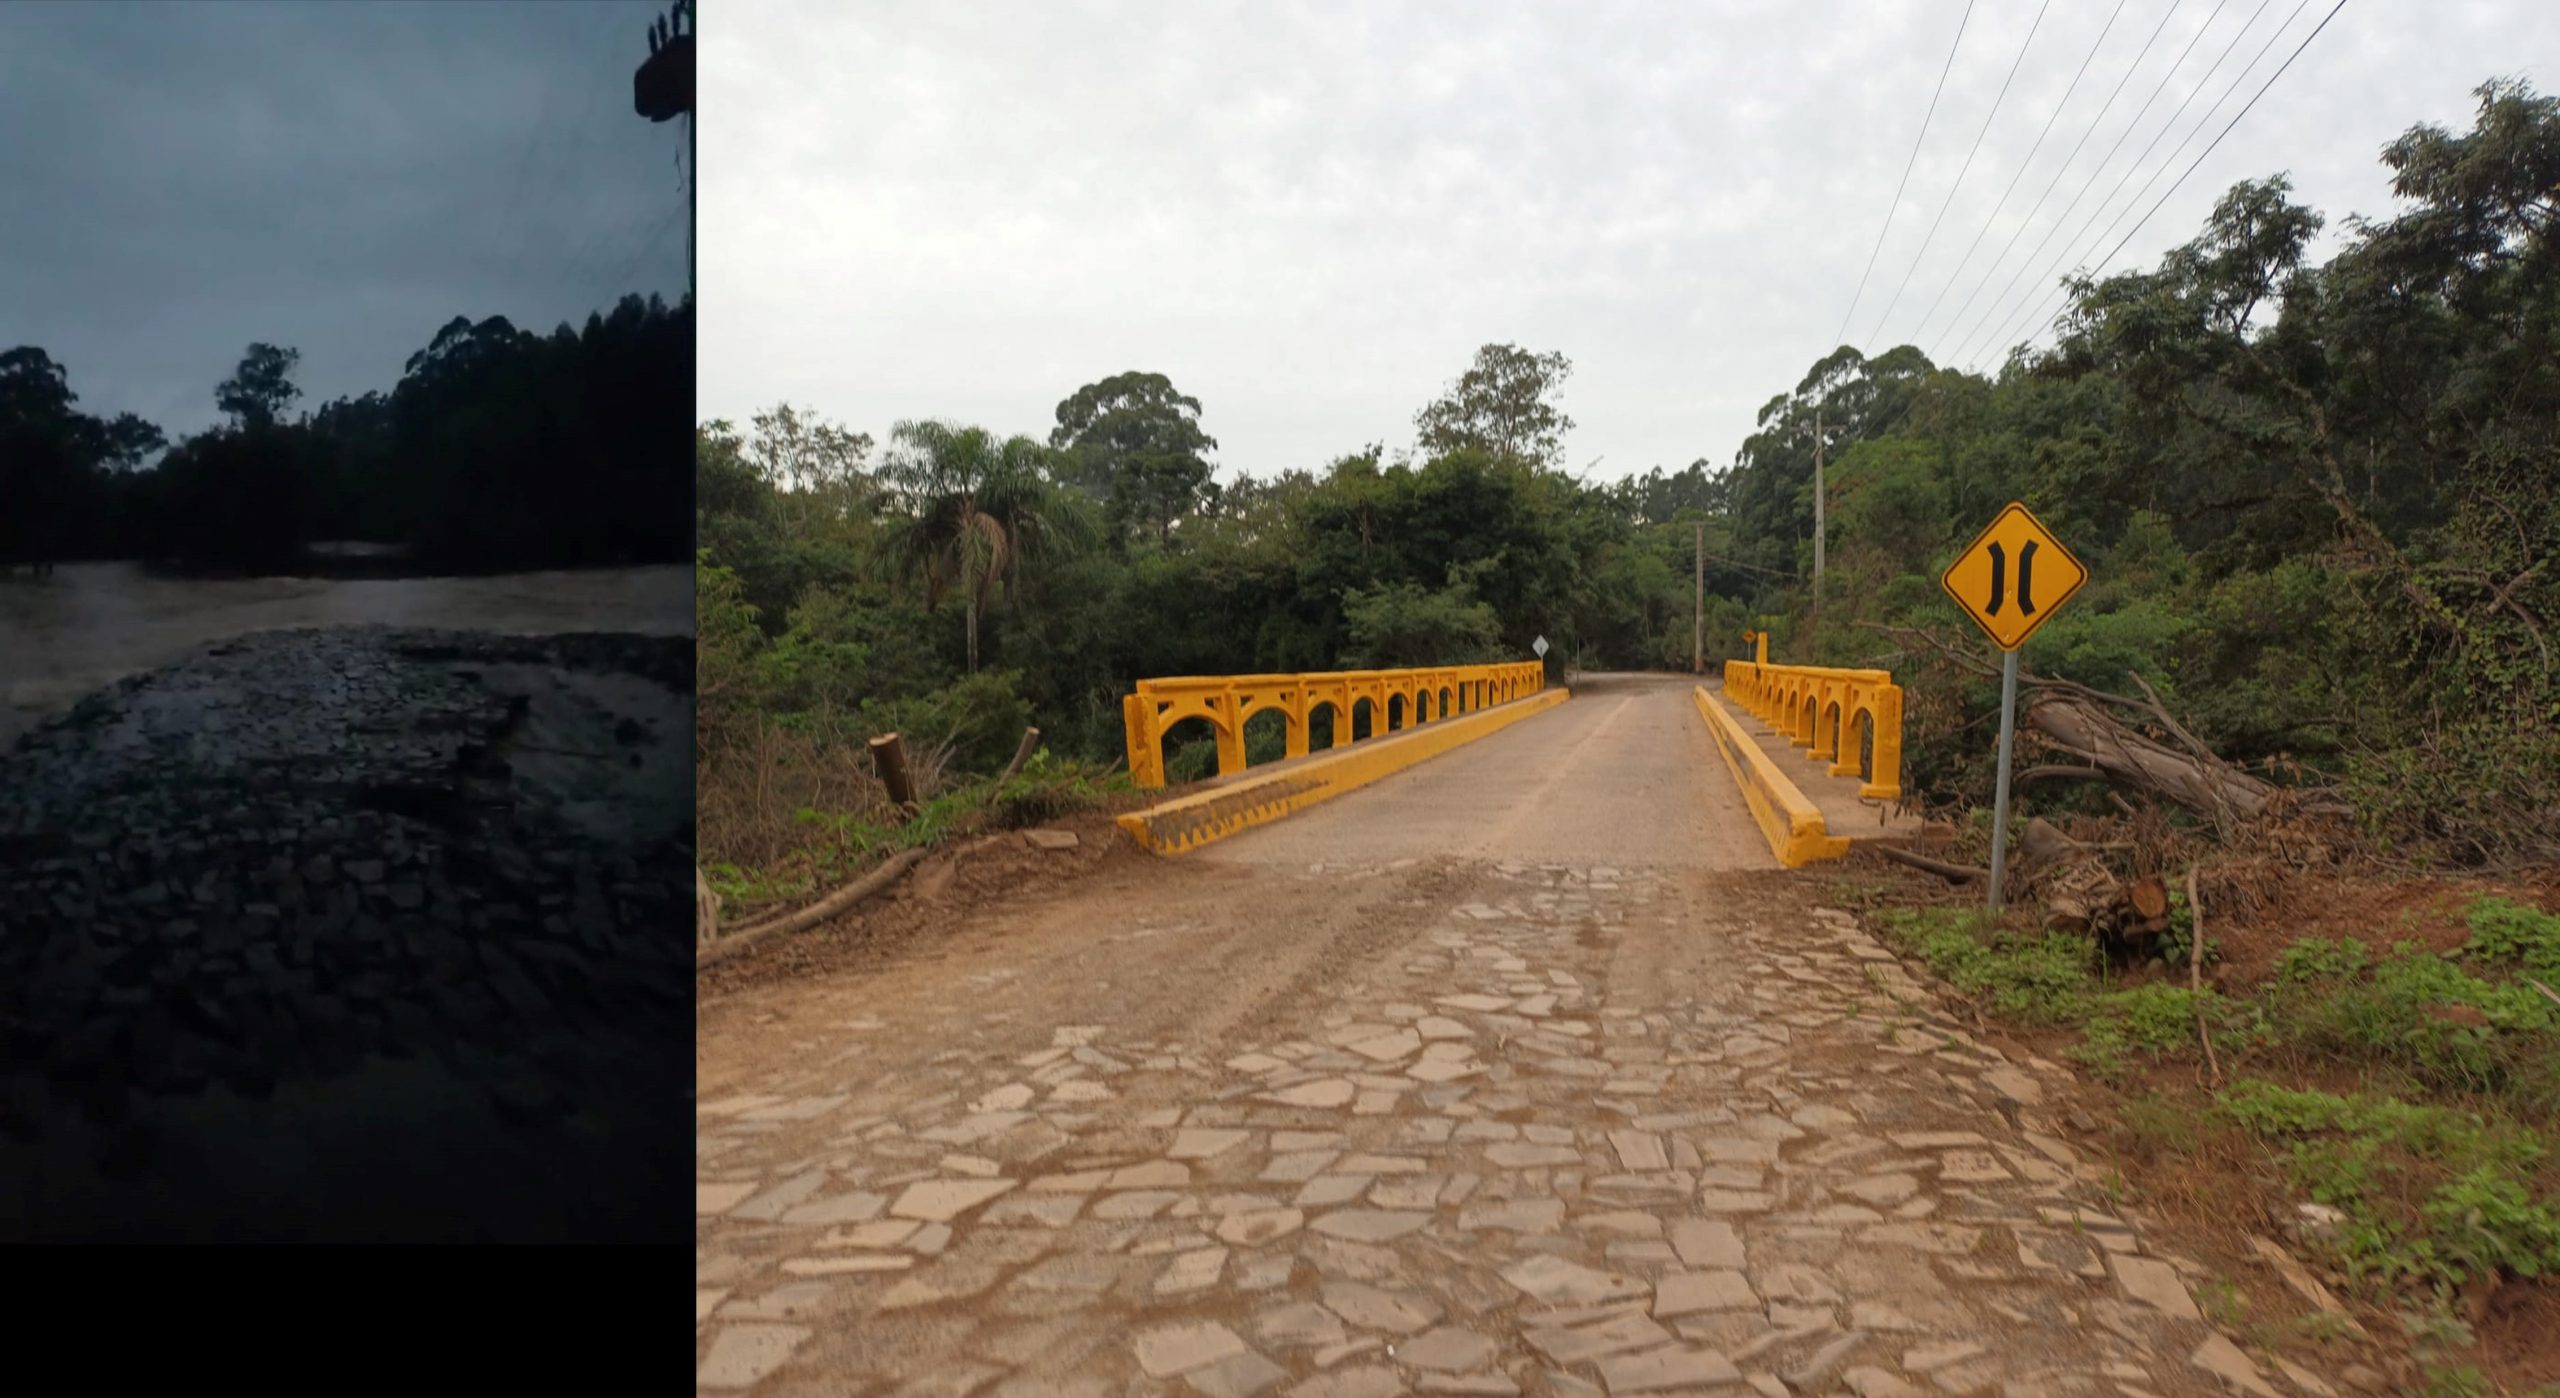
{"points": [[1787, 818], [1227, 702], [1225, 808], [1821, 709]]}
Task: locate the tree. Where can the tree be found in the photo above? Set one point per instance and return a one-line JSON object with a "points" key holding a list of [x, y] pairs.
{"points": [[1134, 442], [46, 447], [259, 391], [129, 441], [1501, 406], [972, 505]]}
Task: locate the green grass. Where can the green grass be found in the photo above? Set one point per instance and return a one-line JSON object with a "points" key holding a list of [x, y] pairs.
{"points": [[2438, 1166], [2430, 1193]]}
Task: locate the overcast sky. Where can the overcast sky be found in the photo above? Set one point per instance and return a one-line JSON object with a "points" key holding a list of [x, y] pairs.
{"points": [[1310, 215], [178, 180]]}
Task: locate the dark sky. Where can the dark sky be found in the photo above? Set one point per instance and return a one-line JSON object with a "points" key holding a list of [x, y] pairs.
{"points": [[340, 178]]}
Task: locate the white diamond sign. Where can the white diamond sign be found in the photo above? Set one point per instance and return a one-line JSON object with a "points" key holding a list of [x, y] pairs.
{"points": [[1540, 647]]}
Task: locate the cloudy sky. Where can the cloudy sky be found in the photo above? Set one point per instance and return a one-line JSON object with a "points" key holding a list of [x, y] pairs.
{"points": [[343, 179], [1310, 215]]}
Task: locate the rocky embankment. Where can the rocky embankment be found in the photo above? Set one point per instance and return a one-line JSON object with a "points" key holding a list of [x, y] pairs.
{"points": [[299, 853]]}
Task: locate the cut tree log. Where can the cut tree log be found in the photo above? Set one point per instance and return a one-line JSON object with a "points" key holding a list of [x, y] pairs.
{"points": [[818, 912], [2149, 897], [2214, 789], [889, 758]]}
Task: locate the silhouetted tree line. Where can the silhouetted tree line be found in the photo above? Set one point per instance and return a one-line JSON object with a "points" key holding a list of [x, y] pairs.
{"points": [[498, 448]]}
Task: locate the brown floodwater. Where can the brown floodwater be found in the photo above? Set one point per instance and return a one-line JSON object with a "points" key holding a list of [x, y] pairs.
{"points": [[88, 625]]}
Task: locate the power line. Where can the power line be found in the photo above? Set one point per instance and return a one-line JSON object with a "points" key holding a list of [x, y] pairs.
{"points": [[2036, 303], [2037, 298], [2100, 265], [1993, 315], [2226, 130], [1961, 171], [539, 139], [1914, 400], [2064, 168], [2023, 165], [1840, 336]]}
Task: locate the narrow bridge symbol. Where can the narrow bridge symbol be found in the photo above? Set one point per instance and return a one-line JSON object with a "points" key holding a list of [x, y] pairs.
{"points": [[1999, 576]]}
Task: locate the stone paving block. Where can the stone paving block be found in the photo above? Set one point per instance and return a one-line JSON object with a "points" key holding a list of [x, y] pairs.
{"points": [[742, 1355], [1364, 1382], [1192, 1271], [1656, 1370], [2155, 1284], [939, 1201], [1447, 1349], [1298, 1325], [1556, 1281], [1685, 1293], [1257, 1226], [1577, 1344], [1172, 1350], [1236, 1376], [1640, 1150], [1368, 1225], [1369, 1307]]}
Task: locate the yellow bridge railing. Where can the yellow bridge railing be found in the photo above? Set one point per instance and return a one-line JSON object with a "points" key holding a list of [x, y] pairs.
{"points": [[1229, 701], [1821, 708]]}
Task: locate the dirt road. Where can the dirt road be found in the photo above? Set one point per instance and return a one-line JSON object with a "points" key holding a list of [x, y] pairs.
{"points": [[1523, 1071]]}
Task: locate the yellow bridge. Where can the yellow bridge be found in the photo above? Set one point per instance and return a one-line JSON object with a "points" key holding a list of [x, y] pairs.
{"points": [[1390, 699], [1850, 721]]}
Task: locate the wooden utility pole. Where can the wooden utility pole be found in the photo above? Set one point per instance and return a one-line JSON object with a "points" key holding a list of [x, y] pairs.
{"points": [[1698, 617], [1818, 502]]}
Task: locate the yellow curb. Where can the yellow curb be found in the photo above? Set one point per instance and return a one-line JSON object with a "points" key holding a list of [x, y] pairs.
{"points": [[1787, 817], [1186, 823]]}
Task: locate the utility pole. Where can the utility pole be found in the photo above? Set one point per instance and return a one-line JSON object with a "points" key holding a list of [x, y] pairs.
{"points": [[1698, 617], [1817, 509]]}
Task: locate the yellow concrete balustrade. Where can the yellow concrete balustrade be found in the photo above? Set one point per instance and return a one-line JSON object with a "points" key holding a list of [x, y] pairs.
{"points": [[1228, 701], [1821, 709]]}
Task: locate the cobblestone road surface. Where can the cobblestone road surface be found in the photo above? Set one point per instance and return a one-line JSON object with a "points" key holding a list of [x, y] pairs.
{"points": [[1484, 1125]]}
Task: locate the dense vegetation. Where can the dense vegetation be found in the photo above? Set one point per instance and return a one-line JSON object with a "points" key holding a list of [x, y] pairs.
{"points": [[2318, 501], [498, 448]]}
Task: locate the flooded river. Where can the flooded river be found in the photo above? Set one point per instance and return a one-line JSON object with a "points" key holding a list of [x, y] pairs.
{"points": [[90, 624]]}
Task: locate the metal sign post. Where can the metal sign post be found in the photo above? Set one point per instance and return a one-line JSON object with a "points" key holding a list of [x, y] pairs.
{"points": [[2000, 802], [1993, 579]]}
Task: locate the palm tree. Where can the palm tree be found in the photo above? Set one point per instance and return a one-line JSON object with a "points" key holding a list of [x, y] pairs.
{"points": [[971, 505]]}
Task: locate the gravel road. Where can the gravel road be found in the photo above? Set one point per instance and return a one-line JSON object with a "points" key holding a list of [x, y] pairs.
{"points": [[350, 934]]}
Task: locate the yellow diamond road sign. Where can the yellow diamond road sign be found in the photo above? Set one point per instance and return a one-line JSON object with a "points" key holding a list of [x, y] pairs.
{"points": [[2013, 576]]}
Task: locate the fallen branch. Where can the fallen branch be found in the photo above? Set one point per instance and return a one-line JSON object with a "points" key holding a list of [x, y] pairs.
{"points": [[1954, 873], [2060, 771], [2195, 972], [2548, 992], [827, 907]]}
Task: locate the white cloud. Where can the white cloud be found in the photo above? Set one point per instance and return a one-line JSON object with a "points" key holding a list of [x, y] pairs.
{"points": [[1309, 216]]}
